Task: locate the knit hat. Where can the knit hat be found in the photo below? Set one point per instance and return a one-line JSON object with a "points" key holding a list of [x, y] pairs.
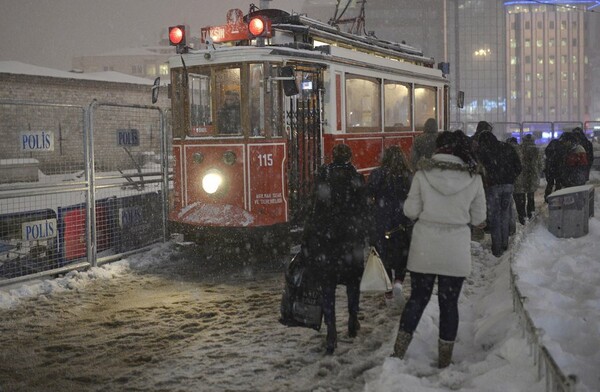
{"points": [[483, 126]]}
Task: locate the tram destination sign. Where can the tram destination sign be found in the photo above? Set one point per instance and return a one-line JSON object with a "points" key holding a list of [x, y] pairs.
{"points": [[128, 137]]}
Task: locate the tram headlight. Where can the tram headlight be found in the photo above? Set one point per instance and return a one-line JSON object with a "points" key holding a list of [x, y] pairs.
{"points": [[212, 182]]}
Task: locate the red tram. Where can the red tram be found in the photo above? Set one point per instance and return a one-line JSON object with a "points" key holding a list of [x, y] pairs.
{"points": [[259, 108]]}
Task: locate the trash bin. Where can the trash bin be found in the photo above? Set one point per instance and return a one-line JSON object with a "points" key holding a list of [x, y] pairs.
{"points": [[569, 210]]}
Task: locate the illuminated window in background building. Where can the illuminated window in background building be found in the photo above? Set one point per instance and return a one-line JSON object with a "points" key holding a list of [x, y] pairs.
{"points": [[551, 42], [513, 43], [513, 94], [563, 42], [528, 94], [574, 59], [563, 25], [527, 77], [539, 76], [563, 59], [565, 93], [150, 69], [513, 60], [563, 76], [540, 93], [539, 43], [552, 110], [540, 60], [527, 43], [551, 59], [163, 69]]}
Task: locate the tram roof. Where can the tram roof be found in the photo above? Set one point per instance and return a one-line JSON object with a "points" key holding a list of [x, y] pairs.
{"points": [[301, 32]]}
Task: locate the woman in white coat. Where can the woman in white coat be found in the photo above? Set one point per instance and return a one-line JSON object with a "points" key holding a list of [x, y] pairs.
{"points": [[446, 196]]}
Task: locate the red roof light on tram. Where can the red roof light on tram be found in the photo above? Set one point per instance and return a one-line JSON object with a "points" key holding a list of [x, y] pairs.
{"points": [[259, 26], [177, 37]]}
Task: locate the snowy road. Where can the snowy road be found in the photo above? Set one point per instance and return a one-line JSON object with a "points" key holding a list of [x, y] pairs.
{"points": [[165, 321]]}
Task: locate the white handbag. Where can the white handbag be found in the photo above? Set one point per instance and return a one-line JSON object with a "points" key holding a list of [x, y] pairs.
{"points": [[374, 278]]}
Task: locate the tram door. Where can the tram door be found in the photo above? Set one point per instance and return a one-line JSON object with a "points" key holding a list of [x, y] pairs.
{"points": [[303, 120]]}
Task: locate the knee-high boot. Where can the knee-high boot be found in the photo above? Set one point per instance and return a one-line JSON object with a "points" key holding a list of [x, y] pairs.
{"points": [[445, 353], [402, 341]]}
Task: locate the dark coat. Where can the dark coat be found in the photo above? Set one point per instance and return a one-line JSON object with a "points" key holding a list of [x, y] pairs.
{"points": [[500, 161], [388, 193], [337, 229], [554, 154]]}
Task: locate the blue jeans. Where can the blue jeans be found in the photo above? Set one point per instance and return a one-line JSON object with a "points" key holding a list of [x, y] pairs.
{"points": [[499, 203], [421, 286]]}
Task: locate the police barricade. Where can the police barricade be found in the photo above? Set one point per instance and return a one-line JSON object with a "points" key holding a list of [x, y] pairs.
{"points": [[129, 151], [43, 167], [58, 161]]}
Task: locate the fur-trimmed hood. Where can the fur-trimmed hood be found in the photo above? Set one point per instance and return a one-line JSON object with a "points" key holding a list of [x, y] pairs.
{"points": [[446, 173]]}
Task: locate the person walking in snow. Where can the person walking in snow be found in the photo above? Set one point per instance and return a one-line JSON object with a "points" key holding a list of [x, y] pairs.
{"points": [[336, 237], [501, 165], [446, 196], [387, 189], [588, 147], [424, 144], [574, 167], [529, 180]]}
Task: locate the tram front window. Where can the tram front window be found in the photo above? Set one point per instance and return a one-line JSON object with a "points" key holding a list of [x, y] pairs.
{"points": [[227, 84]]}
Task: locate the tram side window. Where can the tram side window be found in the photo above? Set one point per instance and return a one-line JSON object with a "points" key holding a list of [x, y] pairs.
{"points": [[227, 86], [256, 96], [397, 103], [274, 108], [200, 105], [363, 104], [425, 106]]}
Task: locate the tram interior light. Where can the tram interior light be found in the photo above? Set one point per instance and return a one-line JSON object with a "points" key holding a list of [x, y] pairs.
{"points": [[212, 182]]}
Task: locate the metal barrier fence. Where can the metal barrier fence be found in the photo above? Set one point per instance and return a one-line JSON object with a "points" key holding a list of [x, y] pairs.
{"points": [[556, 380], [542, 131], [79, 186]]}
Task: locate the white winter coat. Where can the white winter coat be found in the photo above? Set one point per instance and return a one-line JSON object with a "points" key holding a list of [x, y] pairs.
{"points": [[445, 198]]}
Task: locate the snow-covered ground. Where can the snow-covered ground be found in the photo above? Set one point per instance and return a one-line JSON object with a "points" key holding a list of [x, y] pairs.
{"points": [[217, 334]]}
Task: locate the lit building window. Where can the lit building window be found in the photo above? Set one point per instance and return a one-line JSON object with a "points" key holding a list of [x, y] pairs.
{"points": [[551, 42], [563, 25], [513, 60], [563, 42], [150, 69], [563, 59], [513, 43], [540, 60], [163, 69], [539, 76], [539, 43], [574, 59], [551, 59], [527, 42], [563, 76], [528, 94], [527, 77]]}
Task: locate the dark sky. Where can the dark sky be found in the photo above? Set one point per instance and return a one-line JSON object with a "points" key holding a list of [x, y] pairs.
{"points": [[49, 33]]}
